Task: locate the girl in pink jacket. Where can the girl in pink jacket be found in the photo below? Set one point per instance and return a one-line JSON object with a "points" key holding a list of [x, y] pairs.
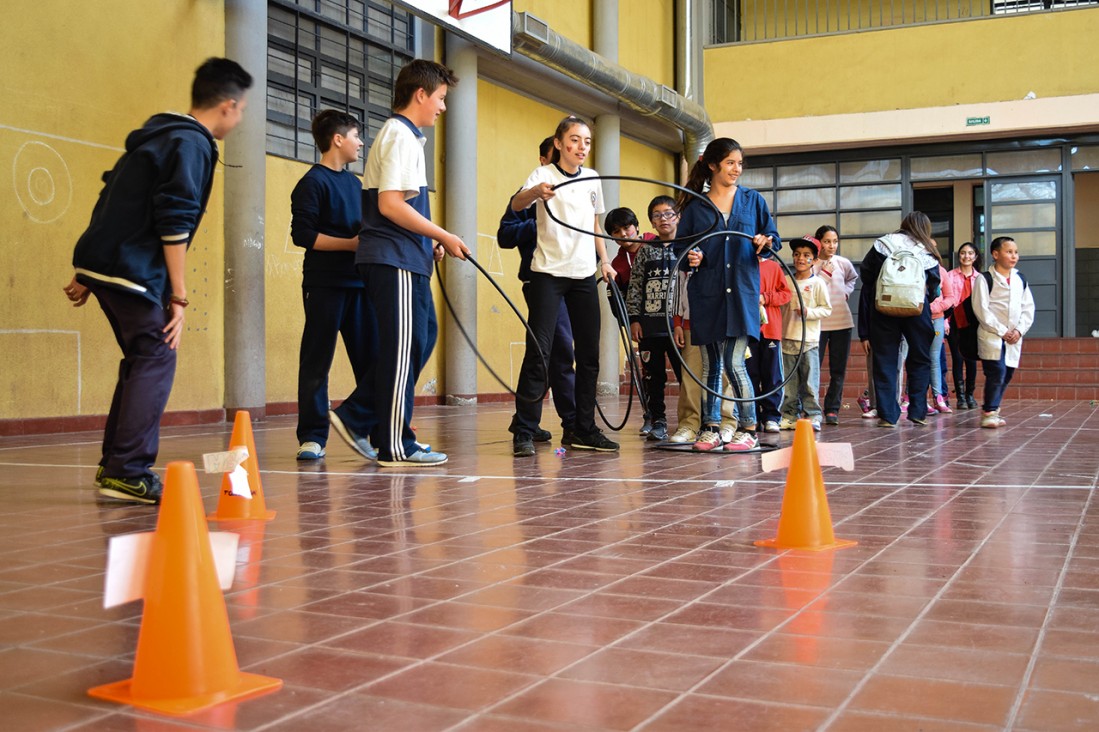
{"points": [[945, 301], [965, 369]]}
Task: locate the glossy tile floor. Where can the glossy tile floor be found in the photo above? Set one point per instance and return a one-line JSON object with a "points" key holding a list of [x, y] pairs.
{"points": [[596, 592]]}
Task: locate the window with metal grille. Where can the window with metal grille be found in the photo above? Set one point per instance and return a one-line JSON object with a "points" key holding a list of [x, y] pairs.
{"points": [[331, 54], [1012, 7]]}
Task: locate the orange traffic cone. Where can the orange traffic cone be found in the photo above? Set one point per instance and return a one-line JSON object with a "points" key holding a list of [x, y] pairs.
{"points": [[230, 505], [805, 522], [185, 658]]}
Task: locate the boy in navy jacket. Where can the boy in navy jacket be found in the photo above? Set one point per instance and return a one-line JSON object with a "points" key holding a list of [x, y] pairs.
{"points": [[132, 258], [327, 216]]}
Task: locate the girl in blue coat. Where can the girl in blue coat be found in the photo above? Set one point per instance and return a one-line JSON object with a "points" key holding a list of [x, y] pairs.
{"points": [[723, 288]]}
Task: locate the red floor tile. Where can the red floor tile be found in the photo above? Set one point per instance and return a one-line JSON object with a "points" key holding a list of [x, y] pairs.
{"points": [[595, 592]]}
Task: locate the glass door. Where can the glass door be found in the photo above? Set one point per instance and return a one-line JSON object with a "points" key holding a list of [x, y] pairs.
{"points": [[1028, 210]]}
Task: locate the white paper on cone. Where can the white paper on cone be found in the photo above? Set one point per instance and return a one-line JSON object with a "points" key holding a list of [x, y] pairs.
{"points": [[128, 562], [238, 483], [224, 462], [838, 454]]}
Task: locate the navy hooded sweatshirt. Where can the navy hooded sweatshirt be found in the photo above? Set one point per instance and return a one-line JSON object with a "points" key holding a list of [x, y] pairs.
{"points": [[154, 196]]}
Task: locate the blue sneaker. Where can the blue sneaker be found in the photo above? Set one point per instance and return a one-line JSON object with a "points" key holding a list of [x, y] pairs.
{"points": [[360, 445], [418, 459]]}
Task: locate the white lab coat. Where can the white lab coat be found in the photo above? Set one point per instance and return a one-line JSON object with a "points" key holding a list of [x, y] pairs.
{"points": [[1008, 306]]}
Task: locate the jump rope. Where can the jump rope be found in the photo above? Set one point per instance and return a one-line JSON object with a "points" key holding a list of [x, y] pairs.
{"points": [[636, 385]]}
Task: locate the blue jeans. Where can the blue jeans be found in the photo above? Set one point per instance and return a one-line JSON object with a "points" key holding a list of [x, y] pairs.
{"points": [[804, 386], [936, 357], [727, 353], [997, 376]]}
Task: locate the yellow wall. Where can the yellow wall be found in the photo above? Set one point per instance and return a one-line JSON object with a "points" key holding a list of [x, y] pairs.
{"points": [[994, 59], [646, 39], [73, 89]]}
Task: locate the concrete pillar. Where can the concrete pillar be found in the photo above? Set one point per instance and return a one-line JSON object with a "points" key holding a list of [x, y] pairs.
{"points": [[461, 219], [245, 155], [607, 154]]}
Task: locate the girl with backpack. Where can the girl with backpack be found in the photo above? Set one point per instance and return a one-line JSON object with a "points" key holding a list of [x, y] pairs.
{"points": [[724, 287], [1004, 307], [963, 367], [900, 276]]}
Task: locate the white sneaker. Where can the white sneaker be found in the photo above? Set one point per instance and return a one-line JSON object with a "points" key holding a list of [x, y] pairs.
{"points": [[870, 414], [683, 434], [727, 433], [992, 420], [816, 423], [770, 426], [310, 451]]}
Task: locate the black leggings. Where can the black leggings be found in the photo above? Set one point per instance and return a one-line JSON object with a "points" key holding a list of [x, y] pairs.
{"points": [[954, 340]]}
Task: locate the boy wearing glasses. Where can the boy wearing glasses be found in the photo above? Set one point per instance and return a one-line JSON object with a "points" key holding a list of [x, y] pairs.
{"points": [[646, 302]]}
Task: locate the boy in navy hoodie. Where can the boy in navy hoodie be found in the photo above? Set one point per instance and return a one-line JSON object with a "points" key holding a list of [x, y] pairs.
{"points": [[132, 257]]}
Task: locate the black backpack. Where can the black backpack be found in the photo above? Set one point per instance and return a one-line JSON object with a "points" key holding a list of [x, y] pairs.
{"points": [[967, 336]]}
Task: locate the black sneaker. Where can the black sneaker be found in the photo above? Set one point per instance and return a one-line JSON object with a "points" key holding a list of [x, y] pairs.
{"points": [[542, 436], [145, 489], [522, 445], [595, 441], [567, 436], [646, 427], [659, 432]]}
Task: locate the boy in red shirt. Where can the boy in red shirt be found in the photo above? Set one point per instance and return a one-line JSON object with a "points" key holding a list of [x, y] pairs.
{"points": [[765, 365]]}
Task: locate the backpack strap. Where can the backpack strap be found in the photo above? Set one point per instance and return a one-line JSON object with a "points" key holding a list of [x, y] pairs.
{"points": [[988, 279]]}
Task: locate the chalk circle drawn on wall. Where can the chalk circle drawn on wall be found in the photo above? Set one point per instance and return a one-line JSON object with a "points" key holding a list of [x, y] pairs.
{"points": [[42, 182]]}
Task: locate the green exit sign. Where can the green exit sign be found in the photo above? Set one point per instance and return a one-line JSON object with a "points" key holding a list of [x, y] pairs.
{"points": [[974, 121]]}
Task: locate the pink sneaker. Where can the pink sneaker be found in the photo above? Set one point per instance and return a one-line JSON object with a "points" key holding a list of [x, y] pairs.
{"points": [[942, 406], [864, 401], [710, 439], [743, 441], [931, 409], [904, 406]]}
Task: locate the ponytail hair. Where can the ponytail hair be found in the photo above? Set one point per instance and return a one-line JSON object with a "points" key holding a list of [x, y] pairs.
{"points": [[917, 226], [701, 173]]}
